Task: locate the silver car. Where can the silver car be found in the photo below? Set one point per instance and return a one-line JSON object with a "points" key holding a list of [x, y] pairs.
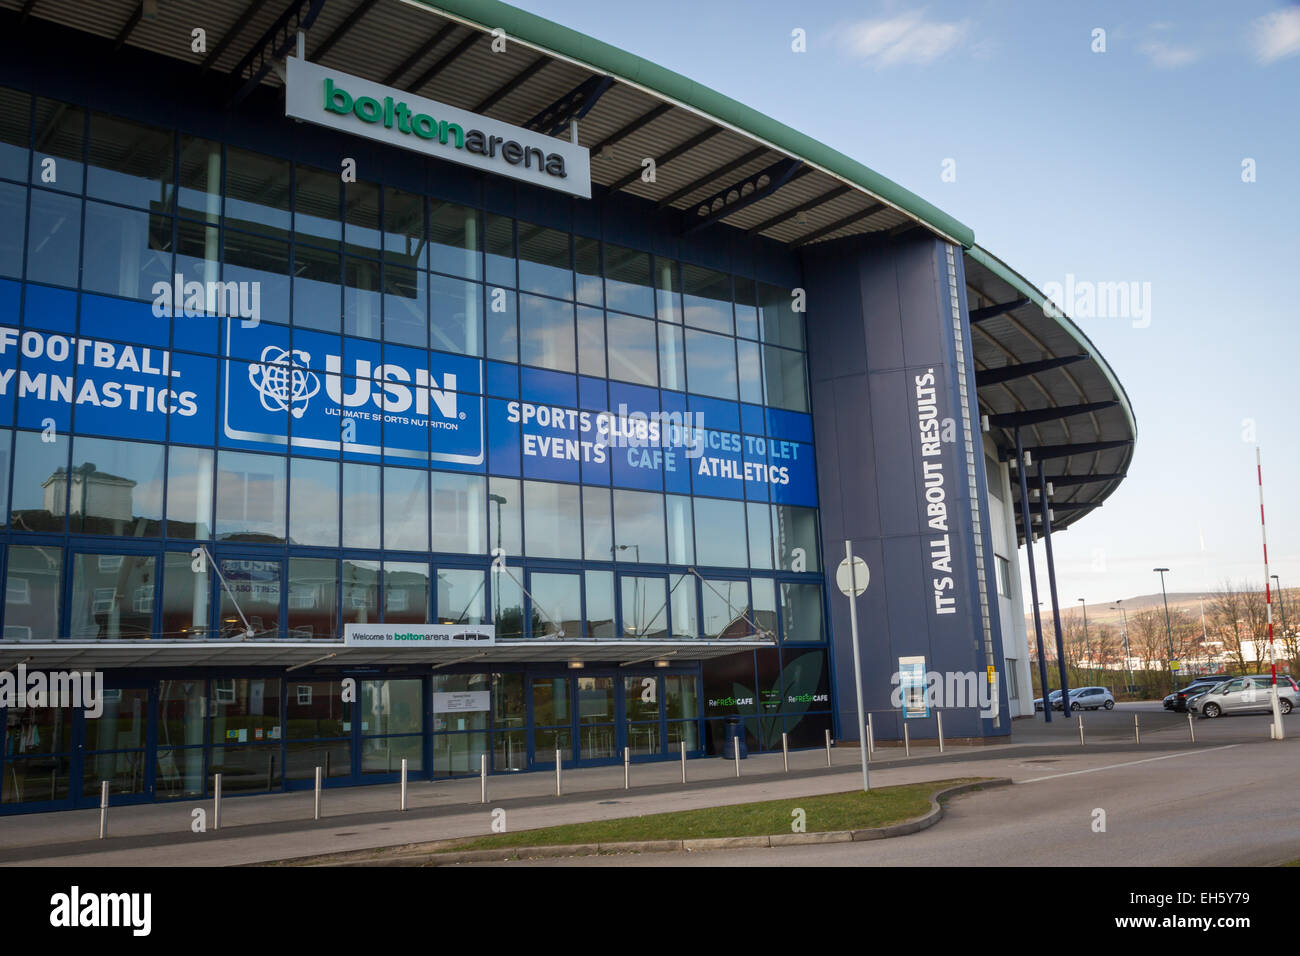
{"points": [[1244, 695], [1092, 698]]}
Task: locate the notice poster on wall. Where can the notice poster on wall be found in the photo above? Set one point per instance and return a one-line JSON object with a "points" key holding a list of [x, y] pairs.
{"points": [[912, 683]]}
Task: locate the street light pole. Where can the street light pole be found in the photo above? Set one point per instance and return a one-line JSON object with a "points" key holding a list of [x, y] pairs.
{"points": [[1169, 631], [1282, 607], [1087, 649], [1128, 658]]}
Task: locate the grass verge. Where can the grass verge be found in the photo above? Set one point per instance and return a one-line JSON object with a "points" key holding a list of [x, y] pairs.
{"points": [[833, 811]]}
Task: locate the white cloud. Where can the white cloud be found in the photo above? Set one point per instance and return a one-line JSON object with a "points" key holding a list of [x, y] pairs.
{"points": [[1276, 35], [907, 38], [1167, 56]]}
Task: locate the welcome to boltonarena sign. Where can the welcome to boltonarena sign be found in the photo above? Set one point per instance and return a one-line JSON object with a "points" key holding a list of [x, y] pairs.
{"points": [[349, 103]]}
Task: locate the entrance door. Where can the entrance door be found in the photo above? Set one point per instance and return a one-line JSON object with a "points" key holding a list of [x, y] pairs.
{"points": [[553, 718], [643, 715], [115, 746], [597, 723]]}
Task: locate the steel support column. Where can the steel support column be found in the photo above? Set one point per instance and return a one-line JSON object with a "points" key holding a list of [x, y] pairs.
{"points": [[1051, 585], [1027, 518]]}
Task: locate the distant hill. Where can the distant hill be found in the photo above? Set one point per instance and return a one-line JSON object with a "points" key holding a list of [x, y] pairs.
{"points": [[1188, 601]]}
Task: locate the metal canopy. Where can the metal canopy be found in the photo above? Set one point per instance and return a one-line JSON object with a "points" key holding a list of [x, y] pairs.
{"points": [[717, 162], [71, 655], [1043, 373], [432, 50]]}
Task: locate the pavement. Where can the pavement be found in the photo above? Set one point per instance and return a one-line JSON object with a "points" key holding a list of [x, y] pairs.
{"points": [[271, 827]]}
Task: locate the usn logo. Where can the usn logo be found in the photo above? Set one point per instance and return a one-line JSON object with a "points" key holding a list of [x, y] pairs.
{"points": [[282, 383], [380, 400]]}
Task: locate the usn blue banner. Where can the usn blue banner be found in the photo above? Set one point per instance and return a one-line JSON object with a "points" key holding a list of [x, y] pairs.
{"points": [[274, 388]]}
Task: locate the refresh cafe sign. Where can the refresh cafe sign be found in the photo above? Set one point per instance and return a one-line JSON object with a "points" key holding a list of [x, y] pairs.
{"points": [[326, 97]]}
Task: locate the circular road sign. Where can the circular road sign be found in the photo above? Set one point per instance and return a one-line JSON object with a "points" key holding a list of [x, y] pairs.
{"points": [[861, 575]]}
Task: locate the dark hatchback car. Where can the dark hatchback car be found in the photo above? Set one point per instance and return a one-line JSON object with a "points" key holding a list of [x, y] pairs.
{"points": [[1177, 701]]}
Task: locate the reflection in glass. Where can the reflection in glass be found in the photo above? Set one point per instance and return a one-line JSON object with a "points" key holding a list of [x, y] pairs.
{"points": [[257, 192], [720, 533], [507, 604], [313, 599], [360, 591], [726, 608], [406, 509], [256, 585], [681, 543], [597, 526], [600, 604], [707, 299], [552, 515], [250, 497], [361, 504], [316, 214], [112, 597], [115, 487], [186, 597], [628, 286], [189, 492], [459, 519], [406, 592], [126, 251], [645, 607], [60, 135], [591, 342], [462, 596], [314, 502], [794, 534], [639, 527], [711, 364], [455, 240], [130, 163], [53, 239], [199, 182], [556, 604], [685, 616], [801, 612], [504, 517], [40, 482], [545, 261], [591, 289], [546, 333], [33, 576], [632, 354], [455, 316]]}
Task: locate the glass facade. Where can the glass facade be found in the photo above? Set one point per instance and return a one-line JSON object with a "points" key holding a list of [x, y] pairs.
{"points": [[349, 394]]}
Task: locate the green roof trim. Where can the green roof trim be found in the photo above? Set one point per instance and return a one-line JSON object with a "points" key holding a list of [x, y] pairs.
{"points": [[1031, 292], [603, 58]]}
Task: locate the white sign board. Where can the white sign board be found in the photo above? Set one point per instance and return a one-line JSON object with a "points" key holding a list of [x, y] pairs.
{"points": [[419, 635], [852, 582], [459, 702], [326, 97]]}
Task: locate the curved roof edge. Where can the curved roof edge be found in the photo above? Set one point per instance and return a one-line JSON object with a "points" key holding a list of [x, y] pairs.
{"points": [[1031, 292], [602, 57]]}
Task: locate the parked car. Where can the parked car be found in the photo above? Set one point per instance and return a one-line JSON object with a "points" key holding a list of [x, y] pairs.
{"points": [[1177, 701], [1241, 695], [1092, 698], [1054, 697]]}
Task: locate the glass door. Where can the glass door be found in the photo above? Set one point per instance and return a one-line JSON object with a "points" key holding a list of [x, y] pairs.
{"points": [[643, 714], [114, 746], [597, 727], [552, 706]]}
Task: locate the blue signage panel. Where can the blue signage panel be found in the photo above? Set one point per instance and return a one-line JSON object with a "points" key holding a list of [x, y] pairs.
{"points": [[276, 388]]}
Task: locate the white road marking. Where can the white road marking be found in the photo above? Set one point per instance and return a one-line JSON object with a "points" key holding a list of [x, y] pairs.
{"points": [[1129, 763]]}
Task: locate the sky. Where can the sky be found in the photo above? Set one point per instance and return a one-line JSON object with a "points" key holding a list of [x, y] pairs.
{"points": [[1164, 152]]}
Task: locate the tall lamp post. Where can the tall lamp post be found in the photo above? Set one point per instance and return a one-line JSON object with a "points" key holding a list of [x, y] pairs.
{"points": [[1128, 658], [1169, 631], [1087, 649], [1282, 607]]}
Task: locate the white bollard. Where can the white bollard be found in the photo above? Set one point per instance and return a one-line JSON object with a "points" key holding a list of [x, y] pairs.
{"points": [[828, 748], [907, 740], [1137, 730], [785, 751], [558, 789], [627, 766], [402, 807], [871, 736], [103, 809], [938, 717], [482, 772], [683, 761], [216, 803], [318, 793]]}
